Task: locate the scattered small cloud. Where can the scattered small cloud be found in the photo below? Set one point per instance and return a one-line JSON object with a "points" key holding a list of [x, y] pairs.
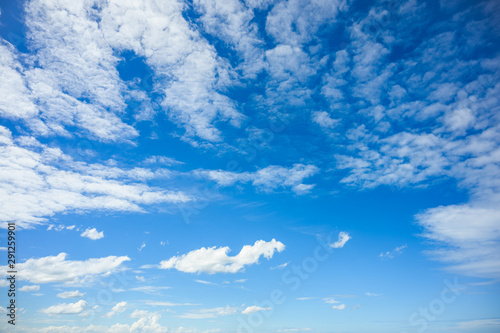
{"points": [[30, 288], [343, 238], [118, 308], [391, 254], [93, 234], [70, 294], [254, 308]]}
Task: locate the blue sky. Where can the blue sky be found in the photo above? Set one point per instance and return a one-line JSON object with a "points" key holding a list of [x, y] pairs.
{"points": [[251, 166]]}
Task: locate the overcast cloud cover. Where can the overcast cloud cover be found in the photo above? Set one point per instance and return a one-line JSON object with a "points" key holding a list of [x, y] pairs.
{"points": [[251, 165]]}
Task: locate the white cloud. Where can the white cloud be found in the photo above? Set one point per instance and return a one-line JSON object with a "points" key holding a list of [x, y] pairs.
{"points": [[206, 282], [297, 21], [147, 322], [54, 269], [338, 307], [38, 181], [254, 309], [215, 260], [64, 55], [468, 237], [210, 313], [93, 234], [267, 179], [330, 300], [233, 23], [161, 303], [141, 314], [476, 325], [70, 294], [118, 308], [391, 254], [373, 294], [323, 119], [280, 266], [152, 290], [17, 101], [66, 308], [143, 245], [191, 75], [343, 238], [168, 161], [30, 288]]}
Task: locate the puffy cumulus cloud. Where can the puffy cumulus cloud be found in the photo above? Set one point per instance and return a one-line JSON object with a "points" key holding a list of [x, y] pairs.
{"points": [[92, 234], [66, 308], [343, 238], [56, 269], [37, 181], [215, 260], [118, 308], [267, 179], [254, 309], [70, 294], [210, 313]]}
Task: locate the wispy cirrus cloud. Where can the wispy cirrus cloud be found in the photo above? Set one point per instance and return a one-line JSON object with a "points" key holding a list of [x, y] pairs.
{"points": [[210, 313]]}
